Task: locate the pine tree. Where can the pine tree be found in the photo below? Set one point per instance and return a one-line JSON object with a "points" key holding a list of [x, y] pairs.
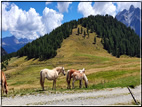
{"points": [[81, 30], [78, 31], [84, 34], [95, 40]]}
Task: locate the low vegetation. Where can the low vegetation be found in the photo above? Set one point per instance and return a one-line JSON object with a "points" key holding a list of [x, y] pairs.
{"points": [[102, 69]]}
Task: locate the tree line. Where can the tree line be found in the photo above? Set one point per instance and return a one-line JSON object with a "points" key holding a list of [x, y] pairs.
{"points": [[117, 39]]}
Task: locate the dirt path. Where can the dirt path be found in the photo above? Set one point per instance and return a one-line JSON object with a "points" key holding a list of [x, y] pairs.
{"points": [[113, 96]]}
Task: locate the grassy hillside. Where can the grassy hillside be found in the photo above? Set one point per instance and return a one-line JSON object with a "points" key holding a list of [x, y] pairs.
{"points": [[102, 69]]}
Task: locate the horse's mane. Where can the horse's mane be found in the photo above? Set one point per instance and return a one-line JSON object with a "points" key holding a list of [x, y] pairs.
{"points": [[57, 68]]}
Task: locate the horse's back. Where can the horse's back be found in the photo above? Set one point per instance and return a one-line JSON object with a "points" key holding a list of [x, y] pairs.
{"points": [[49, 74]]}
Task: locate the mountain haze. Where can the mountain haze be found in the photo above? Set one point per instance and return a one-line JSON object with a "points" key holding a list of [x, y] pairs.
{"points": [[12, 44]]}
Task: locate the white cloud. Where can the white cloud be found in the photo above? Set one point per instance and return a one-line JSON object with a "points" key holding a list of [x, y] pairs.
{"points": [[51, 19], [102, 8], [29, 24], [126, 5], [63, 6], [86, 8], [105, 8], [111, 8]]}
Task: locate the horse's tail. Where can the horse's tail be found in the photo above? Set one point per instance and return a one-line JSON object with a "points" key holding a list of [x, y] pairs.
{"points": [[41, 83]]}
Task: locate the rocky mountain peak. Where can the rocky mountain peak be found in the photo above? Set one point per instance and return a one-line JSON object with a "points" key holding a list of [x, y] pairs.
{"points": [[130, 18]]}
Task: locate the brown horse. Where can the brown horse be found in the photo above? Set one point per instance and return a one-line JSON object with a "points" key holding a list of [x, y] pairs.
{"points": [[69, 76], [79, 76], [4, 83]]}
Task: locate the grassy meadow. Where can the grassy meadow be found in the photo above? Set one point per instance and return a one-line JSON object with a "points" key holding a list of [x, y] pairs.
{"points": [[102, 69]]}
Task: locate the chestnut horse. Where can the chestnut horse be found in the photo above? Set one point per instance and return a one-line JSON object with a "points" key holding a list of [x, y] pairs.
{"points": [[4, 83], [50, 75], [69, 76], [79, 76]]}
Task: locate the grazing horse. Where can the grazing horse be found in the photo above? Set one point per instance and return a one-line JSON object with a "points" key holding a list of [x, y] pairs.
{"points": [[50, 75], [79, 76], [69, 76], [4, 83]]}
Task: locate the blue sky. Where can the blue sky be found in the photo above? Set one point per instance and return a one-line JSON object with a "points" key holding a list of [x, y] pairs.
{"points": [[33, 19]]}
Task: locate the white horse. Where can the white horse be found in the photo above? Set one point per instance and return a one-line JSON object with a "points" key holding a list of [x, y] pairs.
{"points": [[50, 75]]}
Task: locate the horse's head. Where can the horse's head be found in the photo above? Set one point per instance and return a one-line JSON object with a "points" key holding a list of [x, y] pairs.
{"points": [[61, 69], [82, 71]]}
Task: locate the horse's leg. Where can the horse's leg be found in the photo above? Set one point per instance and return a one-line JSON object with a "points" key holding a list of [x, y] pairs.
{"points": [[80, 83], [69, 80], [73, 82], [86, 85], [53, 85], [67, 77], [43, 83], [69, 83], [3, 87]]}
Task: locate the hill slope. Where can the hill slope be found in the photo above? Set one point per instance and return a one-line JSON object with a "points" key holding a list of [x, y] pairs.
{"points": [[102, 69], [77, 49], [117, 39]]}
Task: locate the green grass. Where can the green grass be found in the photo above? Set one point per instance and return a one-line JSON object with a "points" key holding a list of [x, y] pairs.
{"points": [[93, 57], [75, 53], [112, 74], [120, 82]]}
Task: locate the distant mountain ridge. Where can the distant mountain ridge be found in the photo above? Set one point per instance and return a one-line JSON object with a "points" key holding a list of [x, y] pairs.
{"points": [[12, 44], [3, 52], [130, 18]]}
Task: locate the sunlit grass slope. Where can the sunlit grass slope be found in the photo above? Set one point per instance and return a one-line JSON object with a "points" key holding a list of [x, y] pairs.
{"points": [[102, 69]]}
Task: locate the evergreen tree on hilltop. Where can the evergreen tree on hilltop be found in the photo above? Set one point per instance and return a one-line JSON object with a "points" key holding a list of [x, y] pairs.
{"points": [[117, 39], [78, 31]]}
